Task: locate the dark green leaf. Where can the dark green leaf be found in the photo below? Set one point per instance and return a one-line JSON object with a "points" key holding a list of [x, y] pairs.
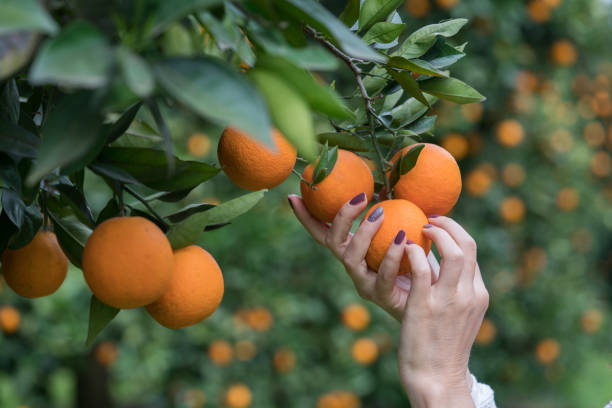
{"points": [[442, 55], [188, 211], [78, 178], [150, 167], [136, 72], [9, 101], [7, 229], [451, 89], [424, 125], [319, 17], [405, 163], [351, 13], [373, 11], [409, 84], [423, 39], [383, 32], [188, 231], [79, 56], [25, 15], [72, 236], [70, 140], [176, 41], [17, 141], [110, 210], [100, 315], [325, 163], [173, 196], [170, 11], [409, 111], [344, 140], [9, 173], [113, 173], [135, 212], [416, 65], [76, 199], [216, 92], [27, 219], [114, 131]]}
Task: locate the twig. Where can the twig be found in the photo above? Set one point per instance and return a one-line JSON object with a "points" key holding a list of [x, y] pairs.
{"points": [[308, 183], [146, 204]]}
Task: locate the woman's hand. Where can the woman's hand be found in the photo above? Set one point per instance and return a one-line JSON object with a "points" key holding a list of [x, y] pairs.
{"points": [[380, 287], [442, 319]]}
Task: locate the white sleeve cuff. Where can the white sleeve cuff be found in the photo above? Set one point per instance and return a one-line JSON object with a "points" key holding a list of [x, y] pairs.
{"points": [[482, 395]]}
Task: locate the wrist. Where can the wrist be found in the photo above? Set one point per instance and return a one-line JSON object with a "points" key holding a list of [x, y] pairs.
{"points": [[439, 392]]}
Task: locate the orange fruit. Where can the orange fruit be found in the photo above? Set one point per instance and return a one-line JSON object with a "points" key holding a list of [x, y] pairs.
{"points": [[238, 396], [472, 112], [364, 351], [245, 350], [456, 144], [510, 133], [198, 144], [512, 209], [591, 321], [349, 177], [547, 351], [478, 182], [194, 292], [417, 8], [446, 4], [568, 199], [259, 318], [601, 164], [513, 175], [220, 352], [561, 141], [563, 53], [398, 215], [284, 360], [486, 333], [106, 353], [127, 262], [433, 184], [252, 165], [38, 269], [356, 317], [10, 319], [338, 399], [538, 11]]}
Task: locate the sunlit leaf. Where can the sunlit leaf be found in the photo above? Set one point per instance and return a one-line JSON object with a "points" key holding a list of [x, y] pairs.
{"points": [[100, 315], [451, 89]]}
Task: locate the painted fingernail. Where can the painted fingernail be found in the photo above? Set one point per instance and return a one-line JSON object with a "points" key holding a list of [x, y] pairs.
{"points": [[376, 214], [359, 198], [433, 216], [399, 237], [290, 203], [427, 226], [409, 242]]}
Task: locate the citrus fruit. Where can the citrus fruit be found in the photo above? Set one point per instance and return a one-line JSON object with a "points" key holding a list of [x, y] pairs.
{"points": [[433, 184], [127, 262], [238, 396], [194, 292], [356, 317], [398, 215], [220, 352], [10, 319], [349, 177], [252, 165], [38, 269], [364, 351]]}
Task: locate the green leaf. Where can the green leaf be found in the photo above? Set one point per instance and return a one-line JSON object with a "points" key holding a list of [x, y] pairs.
{"points": [[216, 92], [110, 210], [451, 89], [170, 11], [17, 49], [25, 15], [17, 141], [136, 72], [373, 11], [27, 219], [350, 14], [76, 200], [188, 231], [289, 111], [69, 138], [344, 140], [409, 111], [9, 101], [79, 56], [9, 174], [416, 65], [325, 164], [100, 315], [424, 125], [72, 236], [405, 163], [319, 17], [228, 36], [442, 55], [423, 39], [320, 97], [410, 85], [188, 211], [114, 131], [110, 173], [383, 32], [150, 167]]}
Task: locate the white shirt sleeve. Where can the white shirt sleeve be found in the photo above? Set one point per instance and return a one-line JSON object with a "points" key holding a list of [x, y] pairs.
{"points": [[482, 395]]}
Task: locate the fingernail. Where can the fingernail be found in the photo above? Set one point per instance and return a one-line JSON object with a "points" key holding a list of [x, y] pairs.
{"points": [[376, 214], [359, 198], [290, 203], [433, 216], [399, 237], [427, 226], [409, 242]]}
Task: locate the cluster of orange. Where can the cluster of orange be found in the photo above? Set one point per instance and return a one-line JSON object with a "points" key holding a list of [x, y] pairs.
{"points": [[256, 318], [221, 353]]}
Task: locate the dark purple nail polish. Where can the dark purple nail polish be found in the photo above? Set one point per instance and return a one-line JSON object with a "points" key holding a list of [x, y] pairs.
{"points": [[433, 216], [359, 198], [290, 203], [376, 214], [427, 226], [399, 237], [409, 242]]}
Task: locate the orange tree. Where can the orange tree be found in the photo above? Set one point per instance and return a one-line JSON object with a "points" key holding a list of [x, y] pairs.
{"points": [[87, 86]]}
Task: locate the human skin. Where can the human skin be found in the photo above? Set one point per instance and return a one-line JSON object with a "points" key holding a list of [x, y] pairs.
{"points": [[439, 315]]}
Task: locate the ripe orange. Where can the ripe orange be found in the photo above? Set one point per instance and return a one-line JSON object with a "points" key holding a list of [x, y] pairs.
{"points": [[349, 177], [9, 319], [245, 350], [486, 333], [478, 182], [194, 292], [356, 317], [510, 133], [591, 321], [512, 209], [238, 396], [364, 351], [198, 144], [568, 199], [563, 53], [38, 269], [338, 399], [259, 319], [433, 184], [398, 214], [547, 351], [252, 165], [513, 175], [220, 352], [538, 10], [127, 262], [456, 144], [601, 164], [446, 4], [417, 8], [284, 360], [106, 353]]}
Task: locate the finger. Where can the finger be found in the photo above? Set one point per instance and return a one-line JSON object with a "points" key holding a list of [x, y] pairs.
{"points": [[389, 267], [435, 266], [463, 240], [316, 228], [420, 283], [341, 226], [452, 256], [358, 247]]}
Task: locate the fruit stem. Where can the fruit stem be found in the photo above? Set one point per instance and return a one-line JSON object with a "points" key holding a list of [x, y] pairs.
{"points": [[303, 180], [147, 205]]}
